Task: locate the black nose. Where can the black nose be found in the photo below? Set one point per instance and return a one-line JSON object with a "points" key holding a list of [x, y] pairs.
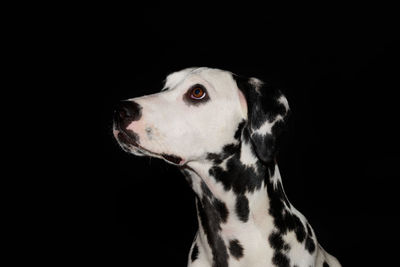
{"points": [[126, 112]]}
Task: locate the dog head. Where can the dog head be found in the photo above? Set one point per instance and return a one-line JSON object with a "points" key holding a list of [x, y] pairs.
{"points": [[198, 112]]}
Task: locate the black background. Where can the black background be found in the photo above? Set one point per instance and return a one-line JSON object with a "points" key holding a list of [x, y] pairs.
{"points": [[338, 158]]}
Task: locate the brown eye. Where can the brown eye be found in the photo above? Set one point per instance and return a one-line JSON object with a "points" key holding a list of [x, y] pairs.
{"points": [[197, 93]]}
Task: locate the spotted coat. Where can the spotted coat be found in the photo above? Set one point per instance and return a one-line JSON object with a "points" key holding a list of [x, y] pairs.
{"points": [[221, 130]]}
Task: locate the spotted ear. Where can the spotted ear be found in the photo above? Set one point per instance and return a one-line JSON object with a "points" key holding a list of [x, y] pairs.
{"points": [[266, 116]]}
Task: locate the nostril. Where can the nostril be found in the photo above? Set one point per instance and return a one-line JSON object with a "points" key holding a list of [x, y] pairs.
{"points": [[123, 112], [129, 111]]}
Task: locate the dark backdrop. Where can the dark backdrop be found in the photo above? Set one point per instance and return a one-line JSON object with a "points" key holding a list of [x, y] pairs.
{"points": [[339, 157]]}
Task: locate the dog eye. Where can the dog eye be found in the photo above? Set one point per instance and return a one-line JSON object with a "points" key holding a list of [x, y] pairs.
{"points": [[197, 93]]}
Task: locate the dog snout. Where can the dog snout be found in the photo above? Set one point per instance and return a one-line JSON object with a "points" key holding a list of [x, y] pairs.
{"points": [[126, 112]]}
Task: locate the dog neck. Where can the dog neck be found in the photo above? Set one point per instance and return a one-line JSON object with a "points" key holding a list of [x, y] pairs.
{"points": [[237, 197]]}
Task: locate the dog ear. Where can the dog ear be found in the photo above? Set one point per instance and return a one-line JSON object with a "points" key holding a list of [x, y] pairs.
{"points": [[267, 114]]}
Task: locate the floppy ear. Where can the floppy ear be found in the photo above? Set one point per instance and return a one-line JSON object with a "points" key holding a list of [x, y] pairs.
{"points": [[266, 116]]}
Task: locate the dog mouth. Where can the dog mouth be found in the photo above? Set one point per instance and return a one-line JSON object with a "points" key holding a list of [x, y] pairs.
{"points": [[130, 140], [171, 158]]}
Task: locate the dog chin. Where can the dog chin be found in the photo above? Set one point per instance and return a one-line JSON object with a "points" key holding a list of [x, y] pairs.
{"points": [[132, 147], [138, 151], [169, 158]]}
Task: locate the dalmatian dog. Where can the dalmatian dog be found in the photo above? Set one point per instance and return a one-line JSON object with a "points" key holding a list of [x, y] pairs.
{"points": [[221, 129]]}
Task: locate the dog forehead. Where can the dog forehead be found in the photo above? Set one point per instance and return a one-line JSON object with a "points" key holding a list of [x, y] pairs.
{"points": [[218, 79], [176, 78]]}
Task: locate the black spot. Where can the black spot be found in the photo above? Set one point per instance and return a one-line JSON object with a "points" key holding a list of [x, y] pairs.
{"points": [[236, 249], [238, 132], [310, 245], [276, 241], [280, 260], [242, 208], [216, 158], [221, 209], [246, 135], [211, 222], [298, 228], [195, 253], [230, 149], [325, 264]]}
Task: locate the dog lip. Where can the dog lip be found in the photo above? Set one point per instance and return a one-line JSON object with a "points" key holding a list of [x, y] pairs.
{"points": [[125, 138], [172, 158]]}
